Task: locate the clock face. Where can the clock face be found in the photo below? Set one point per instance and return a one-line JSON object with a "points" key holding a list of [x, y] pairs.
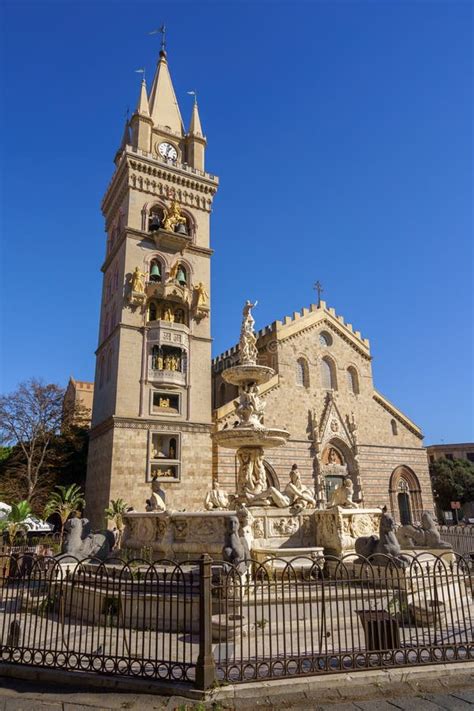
{"points": [[168, 151]]}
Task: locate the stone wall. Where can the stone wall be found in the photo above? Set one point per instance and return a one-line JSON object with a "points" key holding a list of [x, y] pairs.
{"points": [[118, 468]]}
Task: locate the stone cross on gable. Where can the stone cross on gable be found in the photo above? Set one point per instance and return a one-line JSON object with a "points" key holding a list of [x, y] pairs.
{"points": [[319, 288]]}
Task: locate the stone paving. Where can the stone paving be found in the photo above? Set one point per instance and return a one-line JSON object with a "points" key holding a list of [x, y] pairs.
{"points": [[454, 691]]}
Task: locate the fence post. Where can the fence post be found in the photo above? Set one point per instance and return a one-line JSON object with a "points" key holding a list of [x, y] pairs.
{"points": [[205, 666]]}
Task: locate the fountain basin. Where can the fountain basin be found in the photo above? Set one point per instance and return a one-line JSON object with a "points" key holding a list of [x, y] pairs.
{"points": [[250, 373], [251, 437]]}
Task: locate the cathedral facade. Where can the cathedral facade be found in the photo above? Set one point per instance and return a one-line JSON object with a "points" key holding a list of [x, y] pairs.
{"points": [[339, 424], [156, 399]]}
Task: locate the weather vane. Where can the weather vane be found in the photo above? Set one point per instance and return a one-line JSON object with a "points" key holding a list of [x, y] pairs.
{"points": [[319, 288], [193, 93], [161, 30]]}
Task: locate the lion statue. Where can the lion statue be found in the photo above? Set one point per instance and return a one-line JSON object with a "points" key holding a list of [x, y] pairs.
{"points": [[342, 495], [383, 549], [424, 536], [80, 543]]}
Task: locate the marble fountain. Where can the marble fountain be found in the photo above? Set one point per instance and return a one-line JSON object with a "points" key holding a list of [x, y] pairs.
{"points": [[276, 525]]}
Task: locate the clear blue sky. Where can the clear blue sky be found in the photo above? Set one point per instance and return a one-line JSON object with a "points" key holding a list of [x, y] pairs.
{"points": [[342, 136]]}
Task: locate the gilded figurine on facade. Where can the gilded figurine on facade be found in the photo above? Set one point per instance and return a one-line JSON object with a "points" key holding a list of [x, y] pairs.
{"points": [[137, 281], [173, 217]]}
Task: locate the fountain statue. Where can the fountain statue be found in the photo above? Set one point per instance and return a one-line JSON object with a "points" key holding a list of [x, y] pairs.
{"points": [[250, 436]]}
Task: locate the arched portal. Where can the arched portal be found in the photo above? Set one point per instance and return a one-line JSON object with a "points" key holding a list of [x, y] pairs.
{"points": [[405, 496]]}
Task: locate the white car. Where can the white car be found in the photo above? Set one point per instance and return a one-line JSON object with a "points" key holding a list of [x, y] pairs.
{"points": [[33, 524]]}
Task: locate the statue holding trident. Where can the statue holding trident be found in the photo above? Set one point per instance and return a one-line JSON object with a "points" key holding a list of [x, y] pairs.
{"points": [[248, 339]]}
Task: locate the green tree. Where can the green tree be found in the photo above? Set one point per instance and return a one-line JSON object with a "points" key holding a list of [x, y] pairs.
{"points": [[114, 512], [15, 521], [64, 502], [452, 480]]}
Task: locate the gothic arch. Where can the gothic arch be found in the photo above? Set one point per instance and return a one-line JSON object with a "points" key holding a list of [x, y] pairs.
{"points": [[405, 495], [147, 209], [187, 266], [161, 258], [190, 223], [353, 381], [302, 372], [328, 373]]}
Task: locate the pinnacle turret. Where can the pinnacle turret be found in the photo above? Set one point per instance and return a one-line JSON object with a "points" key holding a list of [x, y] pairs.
{"points": [[195, 128], [142, 107]]}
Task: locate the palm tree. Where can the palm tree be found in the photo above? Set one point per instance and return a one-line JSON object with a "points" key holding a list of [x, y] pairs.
{"points": [[114, 512], [63, 502], [15, 520]]}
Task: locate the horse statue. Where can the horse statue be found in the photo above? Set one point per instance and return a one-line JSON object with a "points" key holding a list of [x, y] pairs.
{"points": [[80, 543], [424, 536], [383, 549]]}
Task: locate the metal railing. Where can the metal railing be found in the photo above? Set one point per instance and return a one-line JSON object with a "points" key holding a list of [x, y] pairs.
{"points": [[460, 537], [204, 622]]}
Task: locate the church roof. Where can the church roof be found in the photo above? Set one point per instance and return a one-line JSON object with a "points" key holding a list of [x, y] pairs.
{"points": [[164, 109], [316, 314]]}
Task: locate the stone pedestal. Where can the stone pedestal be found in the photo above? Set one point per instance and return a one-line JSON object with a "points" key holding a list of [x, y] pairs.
{"points": [[178, 536], [337, 529]]}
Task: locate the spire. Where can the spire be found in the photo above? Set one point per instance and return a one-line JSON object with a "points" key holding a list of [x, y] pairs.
{"points": [[164, 109], [142, 106], [195, 127]]}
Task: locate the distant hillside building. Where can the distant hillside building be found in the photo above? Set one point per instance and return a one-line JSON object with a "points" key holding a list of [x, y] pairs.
{"points": [[340, 425], [77, 404]]}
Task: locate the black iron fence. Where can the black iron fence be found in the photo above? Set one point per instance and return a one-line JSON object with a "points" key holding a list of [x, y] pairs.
{"points": [[204, 623]]}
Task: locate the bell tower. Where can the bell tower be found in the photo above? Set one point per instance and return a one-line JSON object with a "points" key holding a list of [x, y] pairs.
{"points": [[151, 416]]}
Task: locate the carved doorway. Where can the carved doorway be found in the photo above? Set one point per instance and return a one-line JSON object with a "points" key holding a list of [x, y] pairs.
{"points": [[405, 496], [404, 508]]}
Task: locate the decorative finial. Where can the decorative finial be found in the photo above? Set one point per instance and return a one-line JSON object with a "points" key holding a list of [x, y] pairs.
{"points": [[319, 288], [161, 30]]}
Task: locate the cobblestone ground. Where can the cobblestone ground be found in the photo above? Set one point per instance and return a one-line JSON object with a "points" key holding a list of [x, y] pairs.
{"points": [[432, 692]]}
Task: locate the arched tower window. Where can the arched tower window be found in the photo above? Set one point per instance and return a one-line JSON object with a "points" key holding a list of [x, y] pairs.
{"points": [[394, 426], [156, 270], [172, 453], [302, 372], [182, 275], [328, 374], [155, 218], [353, 380], [152, 311]]}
